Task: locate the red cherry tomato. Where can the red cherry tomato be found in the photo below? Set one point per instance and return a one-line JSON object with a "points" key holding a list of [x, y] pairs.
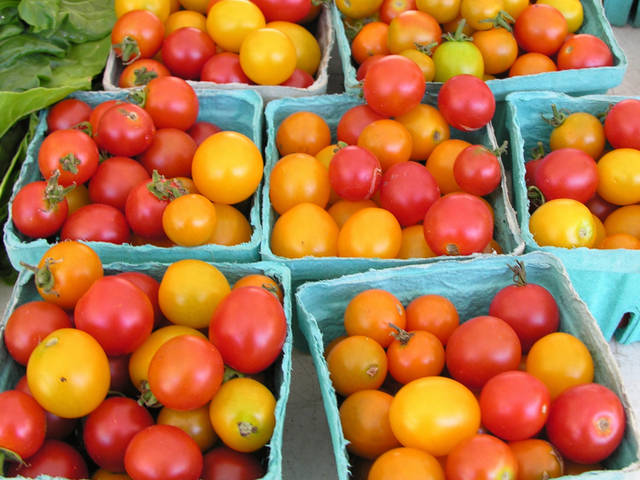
{"points": [[67, 114], [200, 131], [171, 102], [55, 459], [567, 173], [96, 222], [39, 208], [72, 152], [149, 286], [125, 130], [299, 79], [22, 423], [353, 121], [355, 173], [584, 51], [540, 28], [285, 10], [466, 102], [477, 170], [224, 463], [186, 50], [114, 179], [224, 68], [170, 153], [622, 124], [481, 457]]}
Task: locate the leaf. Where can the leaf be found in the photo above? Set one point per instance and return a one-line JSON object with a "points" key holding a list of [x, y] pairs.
{"points": [[14, 48], [9, 30], [41, 15], [82, 63], [86, 20], [28, 73]]}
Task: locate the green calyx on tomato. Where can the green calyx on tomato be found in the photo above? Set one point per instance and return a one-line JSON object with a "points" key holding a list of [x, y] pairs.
{"points": [[165, 189], [54, 193], [538, 152], [536, 198], [130, 51], [43, 277], [69, 163], [143, 75], [519, 273], [557, 117], [426, 49], [457, 55], [502, 20], [147, 398], [352, 26], [401, 334]]}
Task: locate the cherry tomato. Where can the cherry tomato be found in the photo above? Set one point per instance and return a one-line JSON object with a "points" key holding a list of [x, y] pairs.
{"points": [[186, 18], [404, 463], [68, 373], [477, 170], [67, 114], [356, 363], [299, 79], [242, 414], [498, 47], [185, 51], [40, 208], [268, 56], [161, 8], [433, 313], [98, 111], [232, 227], [358, 8], [371, 40], [412, 28], [230, 21], [72, 152], [579, 130], [531, 64], [480, 349], [584, 51], [586, 423], [302, 132], [466, 102], [224, 463], [458, 224], [563, 222], [109, 428], [414, 355], [22, 423], [114, 179], [481, 456], [200, 131], [567, 173], [621, 125], [442, 10], [189, 220], [285, 10], [55, 459], [137, 34], [372, 312], [370, 233], [450, 416], [297, 178], [441, 162], [619, 175], [223, 67], [536, 459], [308, 53], [116, 313], [146, 203], [353, 122], [541, 28], [245, 345], [163, 452], [388, 140], [195, 423], [171, 102], [394, 85], [457, 57], [98, 223], [355, 173], [125, 129]]}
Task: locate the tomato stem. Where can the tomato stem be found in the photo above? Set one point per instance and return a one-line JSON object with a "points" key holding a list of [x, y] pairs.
{"points": [[165, 189], [427, 49], [557, 116], [536, 198], [142, 76], [519, 273], [537, 152], [502, 20], [138, 96], [44, 279], [245, 429], [230, 374], [459, 35], [501, 149], [401, 334], [129, 50], [54, 193], [6, 454], [451, 249], [69, 163], [84, 127], [147, 398]]}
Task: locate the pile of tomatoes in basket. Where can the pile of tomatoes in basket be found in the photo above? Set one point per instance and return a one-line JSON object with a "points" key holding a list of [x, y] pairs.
{"points": [[167, 179], [590, 192], [141, 371], [486, 38], [221, 41], [370, 194], [500, 395]]}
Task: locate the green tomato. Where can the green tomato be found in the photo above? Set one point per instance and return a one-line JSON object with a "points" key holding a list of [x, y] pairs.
{"points": [[455, 58]]}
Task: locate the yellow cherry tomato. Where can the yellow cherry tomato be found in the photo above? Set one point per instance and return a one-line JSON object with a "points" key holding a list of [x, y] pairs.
{"points": [[370, 233], [185, 18], [229, 22], [308, 53], [571, 10], [442, 10], [579, 130], [423, 61], [624, 220], [189, 220], [563, 222], [196, 5], [358, 8], [77, 197], [515, 7], [161, 8], [232, 227], [268, 56], [195, 423], [476, 11], [619, 176]]}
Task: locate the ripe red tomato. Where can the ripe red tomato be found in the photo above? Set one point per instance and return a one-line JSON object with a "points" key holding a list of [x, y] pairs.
{"points": [[466, 103], [171, 102], [353, 121], [116, 313], [458, 224], [529, 308], [394, 85], [567, 173], [186, 50], [141, 72], [163, 452], [584, 51], [114, 179], [98, 223], [285, 10], [622, 124], [55, 459], [200, 131], [70, 151], [149, 286], [600, 207], [355, 173], [125, 129], [137, 34], [39, 208], [246, 345], [477, 170], [109, 428], [299, 79], [30, 323], [364, 66], [170, 153], [481, 348], [224, 67], [98, 111], [67, 114], [481, 456], [414, 355], [186, 372], [22, 423], [514, 405], [540, 28], [586, 423], [120, 379], [224, 463], [408, 190]]}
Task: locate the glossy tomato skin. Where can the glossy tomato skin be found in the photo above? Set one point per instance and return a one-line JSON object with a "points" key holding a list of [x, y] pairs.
{"points": [[299, 79], [584, 51], [408, 190], [30, 323], [224, 68], [530, 310], [458, 224], [286, 10], [481, 456], [353, 121], [622, 124], [224, 463], [586, 423], [67, 113], [514, 405], [116, 313], [477, 170], [70, 151], [33, 215], [541, 28], [481, 348], [170, 153], [55, 458], [185, 52], [143, 211], [394, 85], [141, 72], [22, 423], [245, 345], [200, 131], [98, 223], [567, 173], [125, 130], [163, 452], [466, 102], [355, 173], [109, 428], [171, 102], [149, 286], [114, 179], [144, 27]]}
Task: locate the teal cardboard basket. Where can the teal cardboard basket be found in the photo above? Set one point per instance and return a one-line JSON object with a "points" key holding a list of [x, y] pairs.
{"points": [[24, 291], [240, 111], [331, 108], [470, 285], [607, 280], [618, 12], [578, 82]]}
